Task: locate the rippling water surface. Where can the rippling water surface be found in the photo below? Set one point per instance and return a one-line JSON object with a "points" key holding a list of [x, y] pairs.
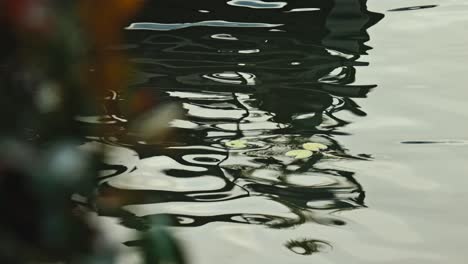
{"points": [[379, 84]]}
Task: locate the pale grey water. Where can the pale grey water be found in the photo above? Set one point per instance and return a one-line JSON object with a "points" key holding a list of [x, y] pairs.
{"points": [[416, 131]]}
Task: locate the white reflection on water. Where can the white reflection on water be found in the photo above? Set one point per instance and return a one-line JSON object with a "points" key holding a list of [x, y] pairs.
{"points": [[209, 23], [257, 4]]}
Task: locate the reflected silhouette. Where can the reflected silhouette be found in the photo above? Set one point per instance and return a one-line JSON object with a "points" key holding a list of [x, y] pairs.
{"points": [[275, 86]]}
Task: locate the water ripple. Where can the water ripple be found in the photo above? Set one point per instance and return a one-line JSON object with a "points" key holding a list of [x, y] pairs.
{"points": [[302, 10], [411, 8], [210, 23], [224, 37], [232, 78], [250, 92], [257, 4], [308, 246]]}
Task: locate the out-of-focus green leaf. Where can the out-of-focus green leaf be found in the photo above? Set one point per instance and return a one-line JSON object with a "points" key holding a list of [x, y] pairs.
{"points": [[160, 247]]}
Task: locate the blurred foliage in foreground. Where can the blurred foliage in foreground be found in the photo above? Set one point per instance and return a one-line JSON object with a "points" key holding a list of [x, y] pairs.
{"points": [[55, 63]]}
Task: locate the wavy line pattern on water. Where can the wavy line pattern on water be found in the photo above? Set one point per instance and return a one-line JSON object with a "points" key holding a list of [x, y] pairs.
{"points": [[438, 142], [257, 4], [412, 8], [211, 23], [303, 10], [250, 96]]}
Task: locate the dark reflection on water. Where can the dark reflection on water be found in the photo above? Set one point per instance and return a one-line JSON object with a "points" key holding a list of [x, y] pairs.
{"points": [[271, 75], [411, 8], [307, 246]]}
